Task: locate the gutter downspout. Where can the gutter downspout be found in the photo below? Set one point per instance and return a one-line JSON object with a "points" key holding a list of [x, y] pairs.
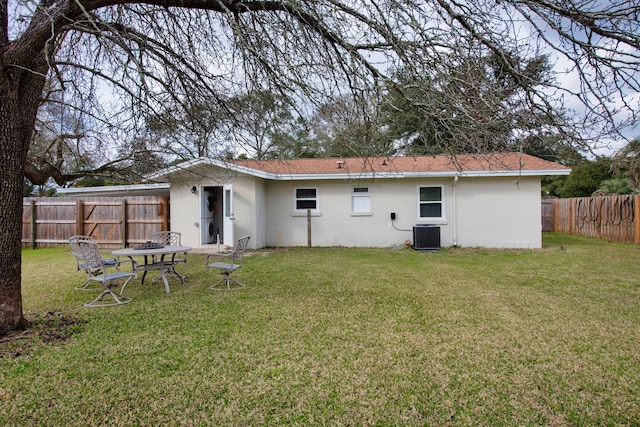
{"points": [[454, 213]]}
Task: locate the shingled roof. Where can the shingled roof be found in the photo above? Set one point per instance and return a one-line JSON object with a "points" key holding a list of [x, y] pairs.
{"points": [[497, 164], [381, 165]]}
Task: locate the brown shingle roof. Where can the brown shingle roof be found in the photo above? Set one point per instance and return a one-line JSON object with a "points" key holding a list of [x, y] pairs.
{"points": [[499, 162]]}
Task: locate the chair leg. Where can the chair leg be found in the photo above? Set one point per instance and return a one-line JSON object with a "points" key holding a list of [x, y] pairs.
{"points": [[227, 280], [118, 299], [86, 286], [124, 285]]}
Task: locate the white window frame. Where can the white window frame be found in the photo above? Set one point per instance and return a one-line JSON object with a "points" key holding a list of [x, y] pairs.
{"points": [[440, 202], [358, 197], [296, 199]]}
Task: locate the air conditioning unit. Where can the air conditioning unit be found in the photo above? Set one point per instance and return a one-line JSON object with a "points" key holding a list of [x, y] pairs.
{"points": [[426, 237]]}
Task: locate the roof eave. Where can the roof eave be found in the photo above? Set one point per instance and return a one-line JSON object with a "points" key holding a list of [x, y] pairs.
{"points": [[113, 188], [164, 174], [518, 173], [397, 175]]}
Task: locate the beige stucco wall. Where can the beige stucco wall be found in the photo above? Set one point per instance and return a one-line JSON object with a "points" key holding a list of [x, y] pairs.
{"points": [[185, 213], [499, 212], [248, 200], [248, 204], [336, 225], [487, 212]]}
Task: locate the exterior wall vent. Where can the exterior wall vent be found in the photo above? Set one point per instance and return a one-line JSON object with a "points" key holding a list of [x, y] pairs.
{"points": [[426, 237]]}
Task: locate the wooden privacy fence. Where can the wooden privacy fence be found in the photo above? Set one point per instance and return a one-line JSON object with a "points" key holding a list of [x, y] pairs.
{"points": [[113, 222], [613, 217]]}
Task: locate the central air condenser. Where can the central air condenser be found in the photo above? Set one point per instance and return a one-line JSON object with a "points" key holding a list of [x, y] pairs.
{"points": [[426, 237]]}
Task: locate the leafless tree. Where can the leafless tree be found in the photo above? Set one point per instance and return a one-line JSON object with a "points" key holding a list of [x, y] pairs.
{"points": [[350, 126], [156, 52], [257, 118]]}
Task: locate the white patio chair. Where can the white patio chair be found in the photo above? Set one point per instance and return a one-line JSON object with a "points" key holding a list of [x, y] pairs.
{"points": [[98, 272], [227, 263], [80, 263]]}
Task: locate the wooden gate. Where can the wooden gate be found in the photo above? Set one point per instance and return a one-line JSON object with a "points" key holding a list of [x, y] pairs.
{"points": [[113, 222]]}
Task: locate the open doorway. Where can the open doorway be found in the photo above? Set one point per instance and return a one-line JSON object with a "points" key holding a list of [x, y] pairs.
{"points": [[211, 215], [216, 215]]}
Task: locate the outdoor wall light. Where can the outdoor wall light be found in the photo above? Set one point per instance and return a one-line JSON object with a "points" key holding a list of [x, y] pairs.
{"points": [[194, 190]]}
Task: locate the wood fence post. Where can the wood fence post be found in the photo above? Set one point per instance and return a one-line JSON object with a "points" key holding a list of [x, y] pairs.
{"points": [[79, 217], [636, 219], [124, 223], [33, 225], [554, 225], [599, 202], [572, 216]]}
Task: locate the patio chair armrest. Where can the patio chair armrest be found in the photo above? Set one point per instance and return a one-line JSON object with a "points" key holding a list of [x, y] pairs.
{"points": [[219, 256]]}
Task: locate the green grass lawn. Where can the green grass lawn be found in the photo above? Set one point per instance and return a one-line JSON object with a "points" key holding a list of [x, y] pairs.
{"points": [[335, 336]]}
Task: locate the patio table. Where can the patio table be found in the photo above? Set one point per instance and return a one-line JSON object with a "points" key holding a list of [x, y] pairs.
{"points": [[156, 258]]}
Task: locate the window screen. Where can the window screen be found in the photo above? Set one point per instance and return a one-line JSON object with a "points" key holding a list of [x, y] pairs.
{"points": [[430, 203], [306, 198], [360, 200]]}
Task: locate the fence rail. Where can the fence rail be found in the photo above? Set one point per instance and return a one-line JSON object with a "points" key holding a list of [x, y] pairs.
{"points": [[113, 222], [613, 217]]}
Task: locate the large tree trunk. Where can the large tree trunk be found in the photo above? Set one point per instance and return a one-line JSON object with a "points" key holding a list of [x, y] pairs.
{"points": [[20, 93]]}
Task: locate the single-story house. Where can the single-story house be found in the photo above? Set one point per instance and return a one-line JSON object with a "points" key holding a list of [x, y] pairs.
{"points": [[491, 200]]}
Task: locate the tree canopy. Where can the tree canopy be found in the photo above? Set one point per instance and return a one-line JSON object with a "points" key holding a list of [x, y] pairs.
{"points": [[109, 65], [466, 75]]}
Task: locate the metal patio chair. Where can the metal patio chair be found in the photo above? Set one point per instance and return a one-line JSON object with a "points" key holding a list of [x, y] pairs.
{"points": [[99, 272], [74, 242], [227, 263], [171, 238], [167, 238]]}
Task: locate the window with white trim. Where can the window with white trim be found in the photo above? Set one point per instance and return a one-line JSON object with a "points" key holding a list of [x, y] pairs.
{"points": [[306, 198], [431, 202], [360, 200]]}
